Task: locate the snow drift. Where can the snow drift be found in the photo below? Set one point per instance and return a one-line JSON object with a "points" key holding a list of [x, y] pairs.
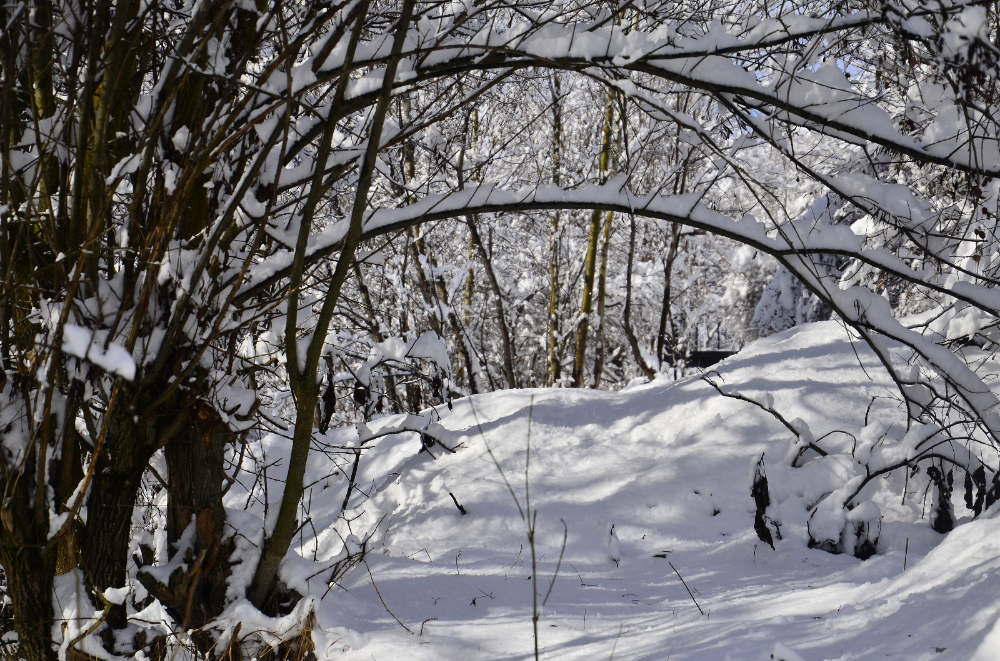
{"points": [[669, 465]]}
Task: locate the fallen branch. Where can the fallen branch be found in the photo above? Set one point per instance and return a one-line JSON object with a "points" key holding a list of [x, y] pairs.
{"points": [[684, 583], [806, 445], [383, 601], [457, 504]]}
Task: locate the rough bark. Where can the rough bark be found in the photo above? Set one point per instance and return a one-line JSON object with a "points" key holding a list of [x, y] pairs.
{"points": [[196, 484], [29, 561], [133, 436], [30, 573]]}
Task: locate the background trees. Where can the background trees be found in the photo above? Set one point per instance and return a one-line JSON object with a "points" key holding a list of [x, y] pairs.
{"points": [[227, 223]]}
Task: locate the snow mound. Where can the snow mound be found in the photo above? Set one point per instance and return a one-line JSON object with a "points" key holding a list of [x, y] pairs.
{"points": [[665, 464]]}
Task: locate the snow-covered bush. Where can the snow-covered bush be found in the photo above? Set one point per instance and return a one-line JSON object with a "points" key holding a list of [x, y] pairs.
{"points": [[836, 475]]}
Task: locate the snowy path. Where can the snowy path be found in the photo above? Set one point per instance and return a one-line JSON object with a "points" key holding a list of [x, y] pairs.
{"points": [[668, 464]]}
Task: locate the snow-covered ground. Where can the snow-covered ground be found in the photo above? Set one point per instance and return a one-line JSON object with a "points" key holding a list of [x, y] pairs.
{"points": [[669, 465]]}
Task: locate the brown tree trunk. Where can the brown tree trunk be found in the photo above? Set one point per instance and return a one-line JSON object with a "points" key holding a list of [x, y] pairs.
{"points": [[132, 439], [470, 284], [29, 562], [590, 263], [30, 573], [195, 460], [303, 383], [554, 358], [104, 553], [586, 306]]}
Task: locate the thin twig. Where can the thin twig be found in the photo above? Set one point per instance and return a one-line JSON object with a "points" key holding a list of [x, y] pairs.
{"points": [[613, 647], [684, 583], [94, 627], [383, 600], [562, 551], [532, 521], [493, 457], [352, 481], [811, 445], [519, 551]]}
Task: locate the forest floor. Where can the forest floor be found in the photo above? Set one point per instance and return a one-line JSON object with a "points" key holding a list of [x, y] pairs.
{"points": [[669, 465]]}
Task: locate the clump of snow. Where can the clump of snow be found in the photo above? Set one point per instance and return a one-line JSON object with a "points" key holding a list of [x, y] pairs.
{"points": [[782, 653], [89, 344]]}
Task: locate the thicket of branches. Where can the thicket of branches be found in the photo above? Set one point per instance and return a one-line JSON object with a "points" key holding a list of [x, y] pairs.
{"points": [[229, 227]]}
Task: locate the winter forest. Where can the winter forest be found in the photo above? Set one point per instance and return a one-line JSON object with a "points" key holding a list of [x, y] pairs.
{"points": [[490, 329]]}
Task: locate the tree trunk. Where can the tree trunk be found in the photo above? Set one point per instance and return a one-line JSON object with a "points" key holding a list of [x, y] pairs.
{"points": [[432, 287], [131, 440], [583, 323], [665, 311], [627, 313], [276, 545], [423, 283], [195, 460], [29, 562], [602, 281], [506, 345], [30, 574], [366, 300], [552, 324], [554, 357], [470, 284], [590, 263], [104, 553], [303, 383], [476, 246]]}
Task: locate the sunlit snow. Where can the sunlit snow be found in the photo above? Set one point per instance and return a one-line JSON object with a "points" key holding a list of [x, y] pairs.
{"points": [[668, 464]]}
